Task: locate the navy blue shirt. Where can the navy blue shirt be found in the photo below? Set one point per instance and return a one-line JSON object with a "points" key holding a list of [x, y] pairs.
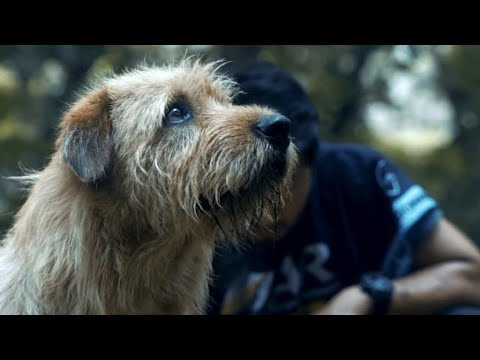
{"points": [[362, 214]]}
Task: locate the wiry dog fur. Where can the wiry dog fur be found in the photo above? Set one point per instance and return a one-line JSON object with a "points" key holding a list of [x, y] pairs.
{"points": [[124, 217]]}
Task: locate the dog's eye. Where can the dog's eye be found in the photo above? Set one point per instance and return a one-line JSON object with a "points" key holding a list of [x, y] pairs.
{"points": [[177, 114]]}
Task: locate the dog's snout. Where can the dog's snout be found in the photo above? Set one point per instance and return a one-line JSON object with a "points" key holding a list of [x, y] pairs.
{"points": [[275, 128]]}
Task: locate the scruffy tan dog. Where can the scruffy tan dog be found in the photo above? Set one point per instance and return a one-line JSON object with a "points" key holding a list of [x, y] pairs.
{"points": [[149, 165]]}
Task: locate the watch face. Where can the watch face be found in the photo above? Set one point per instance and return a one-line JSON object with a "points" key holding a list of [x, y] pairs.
{"points": [[378, 283], [382, 284], [380, 288]]}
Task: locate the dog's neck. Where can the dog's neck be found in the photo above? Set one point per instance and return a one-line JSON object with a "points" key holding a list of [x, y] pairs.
{"points": [[76, 246]]}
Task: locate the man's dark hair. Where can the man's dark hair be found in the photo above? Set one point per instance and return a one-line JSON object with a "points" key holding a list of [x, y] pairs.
{"points": [[263, 83]]}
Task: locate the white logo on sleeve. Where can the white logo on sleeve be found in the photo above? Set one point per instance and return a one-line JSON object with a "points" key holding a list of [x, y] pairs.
{"points": [[387, 180]]}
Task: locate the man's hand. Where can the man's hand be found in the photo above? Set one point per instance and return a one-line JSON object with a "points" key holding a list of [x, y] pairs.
{"points": [[350, 301]]}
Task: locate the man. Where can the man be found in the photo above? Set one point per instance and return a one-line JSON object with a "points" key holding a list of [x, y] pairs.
{"points": [[357, 237]]}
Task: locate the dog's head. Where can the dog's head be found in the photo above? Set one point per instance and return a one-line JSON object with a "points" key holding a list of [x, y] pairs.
{"points": [[169, 140]]}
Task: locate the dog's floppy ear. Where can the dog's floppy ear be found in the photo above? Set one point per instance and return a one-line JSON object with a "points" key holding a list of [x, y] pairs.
{"points": [[85, 139]]}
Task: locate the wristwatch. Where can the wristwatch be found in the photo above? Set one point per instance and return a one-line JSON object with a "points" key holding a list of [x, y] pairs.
{"points": [[380, 290]]}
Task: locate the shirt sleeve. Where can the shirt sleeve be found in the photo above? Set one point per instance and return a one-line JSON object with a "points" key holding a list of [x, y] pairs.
{"points": [[415, 213], [389, 214]]}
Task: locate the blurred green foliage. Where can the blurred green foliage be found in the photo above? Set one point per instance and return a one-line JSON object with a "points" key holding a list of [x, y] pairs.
{"points": [[38, 82]]}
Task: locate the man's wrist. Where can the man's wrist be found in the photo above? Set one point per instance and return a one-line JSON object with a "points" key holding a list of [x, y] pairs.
{"points": [[380, 290]]}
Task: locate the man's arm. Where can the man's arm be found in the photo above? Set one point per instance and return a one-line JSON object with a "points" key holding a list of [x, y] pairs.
{"points": [[447, 273]]}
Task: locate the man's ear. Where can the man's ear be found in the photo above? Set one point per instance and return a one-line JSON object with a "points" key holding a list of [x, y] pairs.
{"points": [[86, 137]]}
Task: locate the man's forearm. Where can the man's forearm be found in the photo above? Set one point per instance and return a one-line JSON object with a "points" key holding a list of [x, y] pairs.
{"points": [[427, 291], [436, 288]]}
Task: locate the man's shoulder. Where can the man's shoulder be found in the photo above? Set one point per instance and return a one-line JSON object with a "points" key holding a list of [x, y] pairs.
{"points": [[345, 153], [353, 163]]}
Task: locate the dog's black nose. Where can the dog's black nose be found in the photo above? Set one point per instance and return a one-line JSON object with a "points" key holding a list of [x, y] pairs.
{"points": [[275, 128]]}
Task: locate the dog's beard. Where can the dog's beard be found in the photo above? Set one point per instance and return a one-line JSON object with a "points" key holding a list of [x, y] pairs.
{"points": [[237, 216], [256, 203]]}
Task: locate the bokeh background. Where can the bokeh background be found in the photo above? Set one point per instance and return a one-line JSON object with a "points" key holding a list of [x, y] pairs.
{"points": [[417, 104]]}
